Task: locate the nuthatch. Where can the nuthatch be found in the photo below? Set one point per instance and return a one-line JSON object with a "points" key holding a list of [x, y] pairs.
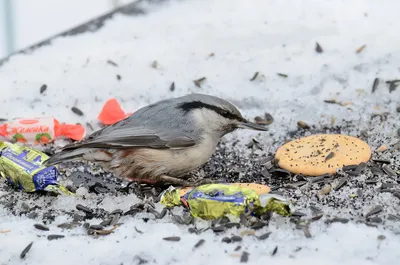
{"points": [[161, 142]]}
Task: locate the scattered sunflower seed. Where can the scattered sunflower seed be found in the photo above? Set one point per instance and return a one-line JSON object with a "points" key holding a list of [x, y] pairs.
{"points": [[199, 243], [318, 48], [118, 77], [218, 229], [199, 81], [341, 183], [303, 125], [329, 156], [360, 49], [337, 220], [381, 237], [275, 251], [298, 214], [115, 219], [397, 195], [96, 227], [237, 248], [245, 257], [226, 240], [377, 209], [53, 237], [77, 111], [172, 87], [26, 250], [264, 236], [41, 227], [390, 172], [258, 225], [71, 225], [282, 75], [375, 85], [306, 231], [43, 88], [82, 208], [382, 161], [236, 238], [137, 230], [254, 76], [112, 63], [154, 64], [172, 238], [230, 225]]}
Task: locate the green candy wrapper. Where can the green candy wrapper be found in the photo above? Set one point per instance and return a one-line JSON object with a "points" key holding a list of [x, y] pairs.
{"points": [[22, 167], [212, 201]]}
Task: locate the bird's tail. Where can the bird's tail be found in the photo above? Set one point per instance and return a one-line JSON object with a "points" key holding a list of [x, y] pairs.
{"points": [[66, 155]]}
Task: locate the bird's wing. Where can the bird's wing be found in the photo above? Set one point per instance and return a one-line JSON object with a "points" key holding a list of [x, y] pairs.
{"points": [[121, 138]]}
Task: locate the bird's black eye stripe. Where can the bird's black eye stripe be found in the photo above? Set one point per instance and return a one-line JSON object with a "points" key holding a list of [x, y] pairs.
{"points": [[188, 106]]}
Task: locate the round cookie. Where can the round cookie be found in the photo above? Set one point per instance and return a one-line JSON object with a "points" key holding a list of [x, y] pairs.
{"points": [[321, 154]]}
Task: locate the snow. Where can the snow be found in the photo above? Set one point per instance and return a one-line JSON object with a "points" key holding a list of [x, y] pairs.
{"points": [[245, 37]]}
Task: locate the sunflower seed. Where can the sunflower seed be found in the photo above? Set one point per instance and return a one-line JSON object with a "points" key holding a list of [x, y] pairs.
{"points": [[172, 87], [77, 111], [106, 222], [53, 237], [86, 225], [275, 251], [375, 219], [43, 88], [375, 85], [230, 225], [254, 76], [193, 230], [306, 231], [282, 75], [112, 63], [377, 209], [326, 189], [217, 229], [392, 86], [257, 225], [115, 219], [226, 240], [236, 238], [303, 125], [329, 156], [383, 161], [245, 257], [349, 168], [381, 237], [298, 214], [132, 212], [82, 208], [337, 220], [264, 236], [397, 195], [116, 211], [96, 227], [393, 217], [376, 171], [341, 183], [26, 250], [318, 48], [199, 81], [41, 227], [316, 217], [118, 77], [104, 232], [390, 172], [71, 225], [199, 243], [371, 181], [172, 238]]}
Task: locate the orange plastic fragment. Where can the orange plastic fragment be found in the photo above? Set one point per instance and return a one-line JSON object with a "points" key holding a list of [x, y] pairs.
{"points": [[73, 131], [112, 112]]}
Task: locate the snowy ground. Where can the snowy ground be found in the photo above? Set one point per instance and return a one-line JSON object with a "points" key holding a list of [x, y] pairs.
{"points": [[226, 41]]}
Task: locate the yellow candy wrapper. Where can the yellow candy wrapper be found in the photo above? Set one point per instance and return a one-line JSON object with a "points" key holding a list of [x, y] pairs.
{"points": [[22, 167], [212, 201]]}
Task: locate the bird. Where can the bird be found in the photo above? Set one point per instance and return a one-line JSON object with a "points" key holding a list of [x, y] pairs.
{"points": [[161, 142]]}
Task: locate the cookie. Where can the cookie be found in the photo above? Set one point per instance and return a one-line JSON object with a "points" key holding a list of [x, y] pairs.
{"points": [[321, 154]]}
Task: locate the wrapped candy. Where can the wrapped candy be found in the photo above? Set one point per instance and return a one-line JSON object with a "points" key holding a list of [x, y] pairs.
{"points": [[39, 130]]}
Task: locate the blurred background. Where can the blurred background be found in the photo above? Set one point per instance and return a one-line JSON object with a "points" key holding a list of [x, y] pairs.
{"points": [[26, 22]]}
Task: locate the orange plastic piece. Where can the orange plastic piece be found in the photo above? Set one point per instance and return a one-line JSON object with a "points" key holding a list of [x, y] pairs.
{"points": [[72, 131], [112, 112]]}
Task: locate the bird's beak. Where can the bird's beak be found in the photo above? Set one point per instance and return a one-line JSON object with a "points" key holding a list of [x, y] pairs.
{"points": [[252, 126]]}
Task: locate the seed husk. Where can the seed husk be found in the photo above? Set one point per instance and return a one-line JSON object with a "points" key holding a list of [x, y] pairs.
{"points": [[43, 88], [254, 76], [341, 183], [199, 81], [77, 111], [383, 161], [377, 209], [112, 63], [316, 217], [381, 237], [106, 222], [360, 49], [329, 156], [199, 243], [298, 214], [303, 125], [104, 232], [245, 257], [237, 248], [306, 231], [375, 219], [226, 240], [392, 86], [382, 148], [376, 171], [375, 84], [41, 227], [282, 75], [318, 48], [274, 251], [371, 181], [247, 233], [115, 219], [326, 189], [53, 237], [217, 229], [236, 238], [96, 227], [393, 217], [193, 230], [172, 238], [337, 220], [26, 250], [397, 195], [257, 225], [172, 87], [118, 77], [390, 172], [230, 225], [264, 236], [137, 230], [82, 208]]}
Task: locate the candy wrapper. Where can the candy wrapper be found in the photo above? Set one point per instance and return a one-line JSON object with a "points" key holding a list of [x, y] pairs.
{"points": [[39, 131], [112, 112], [212, 201], [22, 167]]}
